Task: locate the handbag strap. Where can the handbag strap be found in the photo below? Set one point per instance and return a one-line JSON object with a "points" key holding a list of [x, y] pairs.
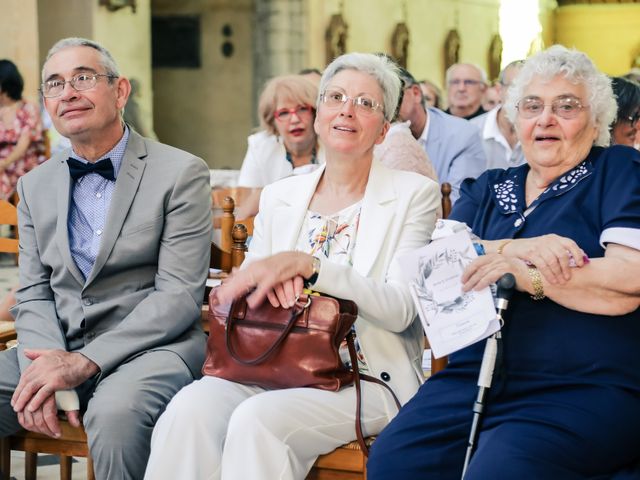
{"points": [[295, 313], [357, 377]]}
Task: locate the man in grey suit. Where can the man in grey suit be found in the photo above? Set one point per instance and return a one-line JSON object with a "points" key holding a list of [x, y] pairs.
{"points": [[114, 242], [453, 144]]}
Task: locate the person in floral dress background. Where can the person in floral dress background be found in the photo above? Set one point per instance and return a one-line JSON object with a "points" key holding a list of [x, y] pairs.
{"points": [[22, 146]]}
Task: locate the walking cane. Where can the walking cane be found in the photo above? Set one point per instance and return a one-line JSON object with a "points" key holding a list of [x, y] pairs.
{"points": [[505, 284]]}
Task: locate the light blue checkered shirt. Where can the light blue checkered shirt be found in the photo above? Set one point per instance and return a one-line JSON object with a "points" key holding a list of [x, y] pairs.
{"points": [[91, 197]]}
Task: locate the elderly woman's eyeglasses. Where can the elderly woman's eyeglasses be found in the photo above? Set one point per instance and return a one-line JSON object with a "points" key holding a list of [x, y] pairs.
{"points": [[362, 103], [564, 107], [633, 119], [284, 114], [80, 82]]}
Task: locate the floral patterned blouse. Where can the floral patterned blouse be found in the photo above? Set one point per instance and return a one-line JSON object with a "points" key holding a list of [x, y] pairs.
{"points": [[333, 237], [27, 119]]}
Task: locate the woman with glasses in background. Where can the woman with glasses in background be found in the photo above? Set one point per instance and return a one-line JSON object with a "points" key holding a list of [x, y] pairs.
{"points": [[625, 128], [342, 229], [565, 401], [287, 144], [22, 145]]}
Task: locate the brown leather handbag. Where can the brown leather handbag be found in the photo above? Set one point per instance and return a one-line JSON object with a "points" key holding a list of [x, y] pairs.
{"points": [[281, 348], [286, 348]]}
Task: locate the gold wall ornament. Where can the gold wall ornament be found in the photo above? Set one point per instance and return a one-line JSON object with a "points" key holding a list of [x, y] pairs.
{"points": [[113, 5], [494, 59], [451, 48], [400, 44], [336, 37]]}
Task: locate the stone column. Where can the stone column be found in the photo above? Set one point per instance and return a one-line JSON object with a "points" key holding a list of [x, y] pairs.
{"points": [[279, 40]]}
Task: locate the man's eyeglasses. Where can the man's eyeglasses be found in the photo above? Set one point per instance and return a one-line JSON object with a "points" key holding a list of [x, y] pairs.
{"points": [[467, 82], [363, 104], [284, 114], [80, 82], [564, 107]]}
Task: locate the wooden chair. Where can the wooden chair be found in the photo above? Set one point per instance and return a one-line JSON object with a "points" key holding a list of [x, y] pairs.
{"points": [[7, 333], [229, 252], [239, 194], [9, 216], [72, 443], [231, 249]]}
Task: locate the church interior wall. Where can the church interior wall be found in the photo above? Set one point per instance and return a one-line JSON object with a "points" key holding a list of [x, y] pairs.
{"points": [[19, 25], [608, 33], [208, 110], [371, 24]]}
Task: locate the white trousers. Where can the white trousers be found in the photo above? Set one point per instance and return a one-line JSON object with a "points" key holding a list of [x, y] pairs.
{"points": [[216, 429]]}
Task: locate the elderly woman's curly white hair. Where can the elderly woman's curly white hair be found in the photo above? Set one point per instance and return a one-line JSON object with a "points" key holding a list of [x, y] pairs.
{"points": [[577, 68]]}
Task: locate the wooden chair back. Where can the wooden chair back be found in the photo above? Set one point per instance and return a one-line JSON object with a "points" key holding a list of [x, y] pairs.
{"points": [[445, 190], [239, 194], [438, 364], [9, 216], [231, 249]]}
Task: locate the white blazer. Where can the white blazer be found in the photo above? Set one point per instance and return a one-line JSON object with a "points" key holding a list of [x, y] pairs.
{"points": [[398, 215]]}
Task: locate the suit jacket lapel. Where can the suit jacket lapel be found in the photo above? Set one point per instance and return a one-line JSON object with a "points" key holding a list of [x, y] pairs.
{"points": [[127, 183], [376, 216], [289, 216], [63, 182]]}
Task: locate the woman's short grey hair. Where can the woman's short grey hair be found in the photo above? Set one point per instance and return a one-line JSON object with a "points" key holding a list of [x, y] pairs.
{"points": [[577, 68], [379, 67], [106, 60]]}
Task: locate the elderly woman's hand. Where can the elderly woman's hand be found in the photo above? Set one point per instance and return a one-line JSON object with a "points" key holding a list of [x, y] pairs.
{"points": [[551, 254], [487, 269], [280, 278]]}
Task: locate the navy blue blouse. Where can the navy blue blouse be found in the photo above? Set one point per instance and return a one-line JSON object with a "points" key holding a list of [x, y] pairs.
{"points": [[597, 201]]}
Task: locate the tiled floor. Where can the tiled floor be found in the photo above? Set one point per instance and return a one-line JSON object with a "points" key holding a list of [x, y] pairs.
{"points": [[48, 468]]}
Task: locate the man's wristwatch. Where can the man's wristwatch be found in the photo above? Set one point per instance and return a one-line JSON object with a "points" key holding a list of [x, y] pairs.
{"points": [[308, 282]]}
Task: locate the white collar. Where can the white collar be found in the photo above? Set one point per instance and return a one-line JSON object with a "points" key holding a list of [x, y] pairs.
{"points": [[425, 131]]}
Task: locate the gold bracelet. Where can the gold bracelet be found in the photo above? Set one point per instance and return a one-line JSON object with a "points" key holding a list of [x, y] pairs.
{"points": [[536, 282], [502, 245]]}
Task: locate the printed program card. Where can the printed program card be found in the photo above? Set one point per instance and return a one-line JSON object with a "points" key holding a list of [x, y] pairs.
{"points": [[452, 319]]}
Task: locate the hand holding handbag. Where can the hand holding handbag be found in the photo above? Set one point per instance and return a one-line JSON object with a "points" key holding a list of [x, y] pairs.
{"points": [[286, 348]]}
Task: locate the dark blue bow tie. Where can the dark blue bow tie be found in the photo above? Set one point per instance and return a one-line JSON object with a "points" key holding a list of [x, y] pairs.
{"points": [[78, 169]]}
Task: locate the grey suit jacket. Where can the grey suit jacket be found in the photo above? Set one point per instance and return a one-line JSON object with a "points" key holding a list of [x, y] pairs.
{"points": [[146, 287], [454, 146]]}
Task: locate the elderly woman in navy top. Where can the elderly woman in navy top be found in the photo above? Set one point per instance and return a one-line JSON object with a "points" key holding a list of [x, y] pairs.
{"points": [[565, 403]]}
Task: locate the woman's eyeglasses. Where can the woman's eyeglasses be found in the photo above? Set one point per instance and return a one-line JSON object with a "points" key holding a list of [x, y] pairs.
{"points": [[364, 104], [564, 107], [284, 114]]}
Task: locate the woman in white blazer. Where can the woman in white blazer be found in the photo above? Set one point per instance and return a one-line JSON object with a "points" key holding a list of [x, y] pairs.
{"points": [[342, 228]]}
